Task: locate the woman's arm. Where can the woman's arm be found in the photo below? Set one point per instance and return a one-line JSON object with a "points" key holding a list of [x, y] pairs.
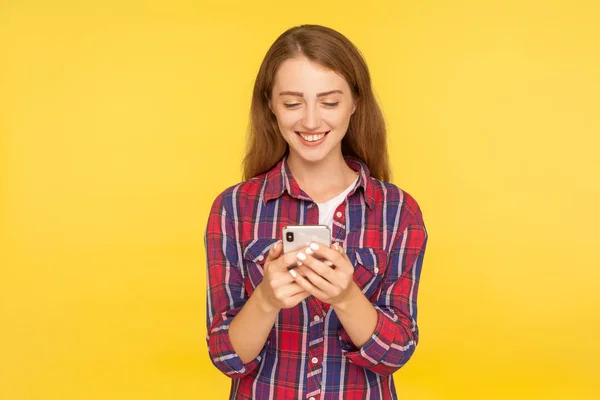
{"points": [[357, 315], [395, 335], [238, 326], [381, 336], [226, 297], [249, 329]]}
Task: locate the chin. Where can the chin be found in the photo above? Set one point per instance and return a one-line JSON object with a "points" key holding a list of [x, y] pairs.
{"points": [[314, 156]]}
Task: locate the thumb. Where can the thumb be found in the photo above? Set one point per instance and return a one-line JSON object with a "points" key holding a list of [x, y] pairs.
{"points": [[275, 252]]}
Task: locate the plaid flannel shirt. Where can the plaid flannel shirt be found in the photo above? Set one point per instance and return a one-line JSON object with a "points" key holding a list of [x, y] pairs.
{"points": [[308, 354]]}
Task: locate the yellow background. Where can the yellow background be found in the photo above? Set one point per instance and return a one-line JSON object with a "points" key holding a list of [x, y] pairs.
{"points": [[120, 121]]}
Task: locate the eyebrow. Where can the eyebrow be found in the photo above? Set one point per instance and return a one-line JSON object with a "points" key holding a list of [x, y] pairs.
{"points": [[300, 94]]}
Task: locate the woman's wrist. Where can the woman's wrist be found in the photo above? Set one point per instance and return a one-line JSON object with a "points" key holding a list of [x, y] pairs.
{"points": [[351, 299], [263, 302]]}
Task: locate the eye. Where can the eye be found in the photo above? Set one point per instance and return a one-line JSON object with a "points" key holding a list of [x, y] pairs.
{"points": [[291, 105], [331, 104]]}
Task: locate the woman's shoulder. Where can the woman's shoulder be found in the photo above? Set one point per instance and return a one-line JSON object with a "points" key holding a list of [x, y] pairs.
{"points": [[243, 192], [392, 195]]}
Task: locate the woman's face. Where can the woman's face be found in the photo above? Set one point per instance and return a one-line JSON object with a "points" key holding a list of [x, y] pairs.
{"points": [[313, 106]]}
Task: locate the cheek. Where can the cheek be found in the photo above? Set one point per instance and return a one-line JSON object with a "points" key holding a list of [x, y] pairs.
{"points": [[286, 121], [339, 119]]}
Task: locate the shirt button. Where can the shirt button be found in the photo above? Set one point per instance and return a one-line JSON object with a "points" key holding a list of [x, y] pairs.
{"points": [[260, 258], [376, 270], [338, 214], [316, 318], [315, 360], [311, 398]]}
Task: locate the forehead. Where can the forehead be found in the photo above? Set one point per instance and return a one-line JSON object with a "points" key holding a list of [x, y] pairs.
{"points": [[301, 74]]}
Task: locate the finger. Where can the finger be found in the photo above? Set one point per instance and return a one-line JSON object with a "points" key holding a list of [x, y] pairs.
{"points": [[324, 252], [341, 251], [330, 256], [284, 261], [280, 278], [317, 280], [289, 260], [291, 289], [346, 263], [307, 286], [293, 300], [274, 252], [300, 271], [317, 266], [338, 257]]}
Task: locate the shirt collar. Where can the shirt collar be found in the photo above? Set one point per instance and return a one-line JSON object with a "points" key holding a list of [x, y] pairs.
{"points": [[280, 179]]}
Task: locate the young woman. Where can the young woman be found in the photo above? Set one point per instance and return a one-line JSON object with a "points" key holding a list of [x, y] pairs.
{"points": [[343, 319]]}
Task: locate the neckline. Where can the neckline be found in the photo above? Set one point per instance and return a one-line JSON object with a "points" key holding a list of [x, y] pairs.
{"points": [[344, 193]]}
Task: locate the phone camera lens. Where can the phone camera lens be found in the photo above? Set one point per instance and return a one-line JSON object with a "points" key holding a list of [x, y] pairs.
{"points": [[289, 236]]}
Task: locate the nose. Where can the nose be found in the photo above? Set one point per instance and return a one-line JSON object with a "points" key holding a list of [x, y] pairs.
{"points": [[311, 120]]}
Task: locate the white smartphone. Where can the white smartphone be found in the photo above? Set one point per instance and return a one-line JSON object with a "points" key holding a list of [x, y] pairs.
{"points": [[296, 237]]}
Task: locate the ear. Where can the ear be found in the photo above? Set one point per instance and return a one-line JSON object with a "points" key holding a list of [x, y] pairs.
{"points": [[268, 98], [270, 106], [353, 107]]}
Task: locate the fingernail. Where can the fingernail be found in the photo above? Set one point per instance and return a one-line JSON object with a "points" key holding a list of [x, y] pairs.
{"points": [[298, 263], [314, 246], [337, 246], [293, 273], [277, 244], [328, 263], [301, 256], [308, 251]]}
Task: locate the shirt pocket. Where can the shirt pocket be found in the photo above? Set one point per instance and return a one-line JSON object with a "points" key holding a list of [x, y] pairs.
{"points": [[369, 266], [255, 254]]}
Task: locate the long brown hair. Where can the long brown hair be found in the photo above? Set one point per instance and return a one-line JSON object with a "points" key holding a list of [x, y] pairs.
{"points": [[366, 135]]}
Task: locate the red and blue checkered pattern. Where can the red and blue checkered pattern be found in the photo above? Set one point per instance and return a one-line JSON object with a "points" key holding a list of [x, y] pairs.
{"points": [[308, 354]]}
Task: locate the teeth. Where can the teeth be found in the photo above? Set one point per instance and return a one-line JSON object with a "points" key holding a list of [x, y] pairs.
{"points": [[312, 138]]}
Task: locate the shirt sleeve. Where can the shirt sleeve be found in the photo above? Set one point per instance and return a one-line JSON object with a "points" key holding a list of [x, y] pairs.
{"points": [[396, 333], [225, 294]]}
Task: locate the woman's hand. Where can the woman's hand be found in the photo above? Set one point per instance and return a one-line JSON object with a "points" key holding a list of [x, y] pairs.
{"points": [[330, 280], [278, 289]]}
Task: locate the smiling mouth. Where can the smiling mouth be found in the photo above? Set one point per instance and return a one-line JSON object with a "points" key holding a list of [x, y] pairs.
{"points": [[314, 137]]}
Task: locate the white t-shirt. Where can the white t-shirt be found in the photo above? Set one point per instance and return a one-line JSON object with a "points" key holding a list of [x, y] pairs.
{"points": [[327, 209]]}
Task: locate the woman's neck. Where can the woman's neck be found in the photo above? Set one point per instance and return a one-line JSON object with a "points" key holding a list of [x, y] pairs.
{"points": [[322, 180]]}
